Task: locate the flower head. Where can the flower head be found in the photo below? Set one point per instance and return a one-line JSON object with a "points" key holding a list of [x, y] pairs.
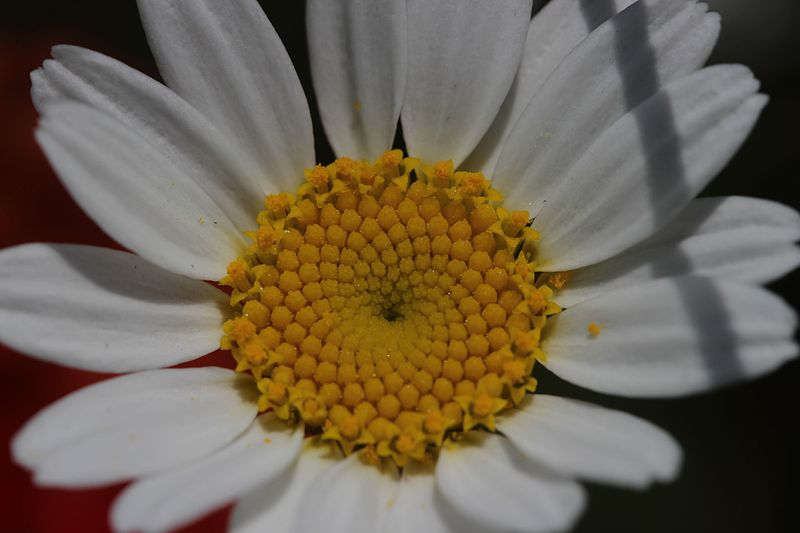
{"points": [[386, 311]]}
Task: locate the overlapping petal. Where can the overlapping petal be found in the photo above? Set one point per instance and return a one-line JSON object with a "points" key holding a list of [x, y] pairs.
{"points": [[168, 122], [554, 32], [645, 168], [488, 482], [226, 59], [137, 194], [134, 425], [358, 61], [164, 502], [365, 490], [623, 62], [671, 337], [462, 58], [104, 310], [736, 238], [419, 506], [582, 440], [278, 505]]}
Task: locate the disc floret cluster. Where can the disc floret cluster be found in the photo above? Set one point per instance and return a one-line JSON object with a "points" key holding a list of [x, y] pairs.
{"points": [[388, 306]]}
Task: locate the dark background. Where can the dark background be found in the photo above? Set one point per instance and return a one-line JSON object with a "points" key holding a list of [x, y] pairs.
{"points": [[740, 472]]}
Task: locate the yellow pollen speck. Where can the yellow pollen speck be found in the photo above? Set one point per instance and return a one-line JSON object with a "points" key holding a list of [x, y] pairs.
{"points": [[559, 279], [594, 329], [388, 306]]}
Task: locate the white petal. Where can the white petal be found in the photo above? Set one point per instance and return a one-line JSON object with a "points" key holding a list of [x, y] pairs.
{"points": [[104, 310], [170, 500], [647, 167], [462, 57], [134, 425], [742, 239], [671, 337], [226, 59], [349, 496], [487, 481], [168, 122], [623, 62], [418, 506], [554, 32], [590, 442], [358, 61], [278, 505], [137, 194]]}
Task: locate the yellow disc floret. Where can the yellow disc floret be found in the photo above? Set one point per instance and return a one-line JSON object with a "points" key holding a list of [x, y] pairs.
{"points": [[389, 306]]}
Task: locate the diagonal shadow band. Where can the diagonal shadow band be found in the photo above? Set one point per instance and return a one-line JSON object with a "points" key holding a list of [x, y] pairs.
{"points": [[667, 173]]}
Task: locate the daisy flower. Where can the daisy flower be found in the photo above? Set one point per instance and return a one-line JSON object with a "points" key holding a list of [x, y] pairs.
{"points": [[386, 312]]}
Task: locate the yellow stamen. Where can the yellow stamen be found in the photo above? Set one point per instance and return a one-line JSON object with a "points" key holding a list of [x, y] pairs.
{"points": [[387, 307]]}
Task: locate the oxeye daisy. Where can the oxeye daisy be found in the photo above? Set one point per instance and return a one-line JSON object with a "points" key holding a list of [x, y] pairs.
{"points": [[386, 313]]}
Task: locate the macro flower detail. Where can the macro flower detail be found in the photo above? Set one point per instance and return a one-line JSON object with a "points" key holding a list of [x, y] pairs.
{"points": [[388, 306], [386, 312]]}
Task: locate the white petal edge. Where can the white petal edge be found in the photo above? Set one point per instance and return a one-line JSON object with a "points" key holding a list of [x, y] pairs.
{"points": [[104, 310], [491, 484], [418, 506], [277, 506], [462, 57], [171, 500], [365, 491], [134, 425], [741, 239], [358, 60], [578, 439], [647, 167], [623, 62], [671, 337], [226, 59], [553, 33], [136, 194], [168, 122]]}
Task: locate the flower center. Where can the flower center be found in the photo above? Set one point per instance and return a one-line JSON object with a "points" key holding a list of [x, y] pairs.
{"points": [[388, 306]]}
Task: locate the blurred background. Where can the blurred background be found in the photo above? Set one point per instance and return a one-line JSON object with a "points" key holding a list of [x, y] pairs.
{"points": [[740, 471]]}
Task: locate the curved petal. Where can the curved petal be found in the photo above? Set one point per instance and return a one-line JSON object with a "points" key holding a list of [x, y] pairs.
{"points": [[363, 489], [278, 505], [136, 193], [462, 57], [647, 167], [104, 310], [488, 482], [623, 62], [418, 506], [671, 337], [578, 439], [226, 59], [741, 239], [169, 123], [134, 425], [358, 62], [554, 32], [170, 500]]}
